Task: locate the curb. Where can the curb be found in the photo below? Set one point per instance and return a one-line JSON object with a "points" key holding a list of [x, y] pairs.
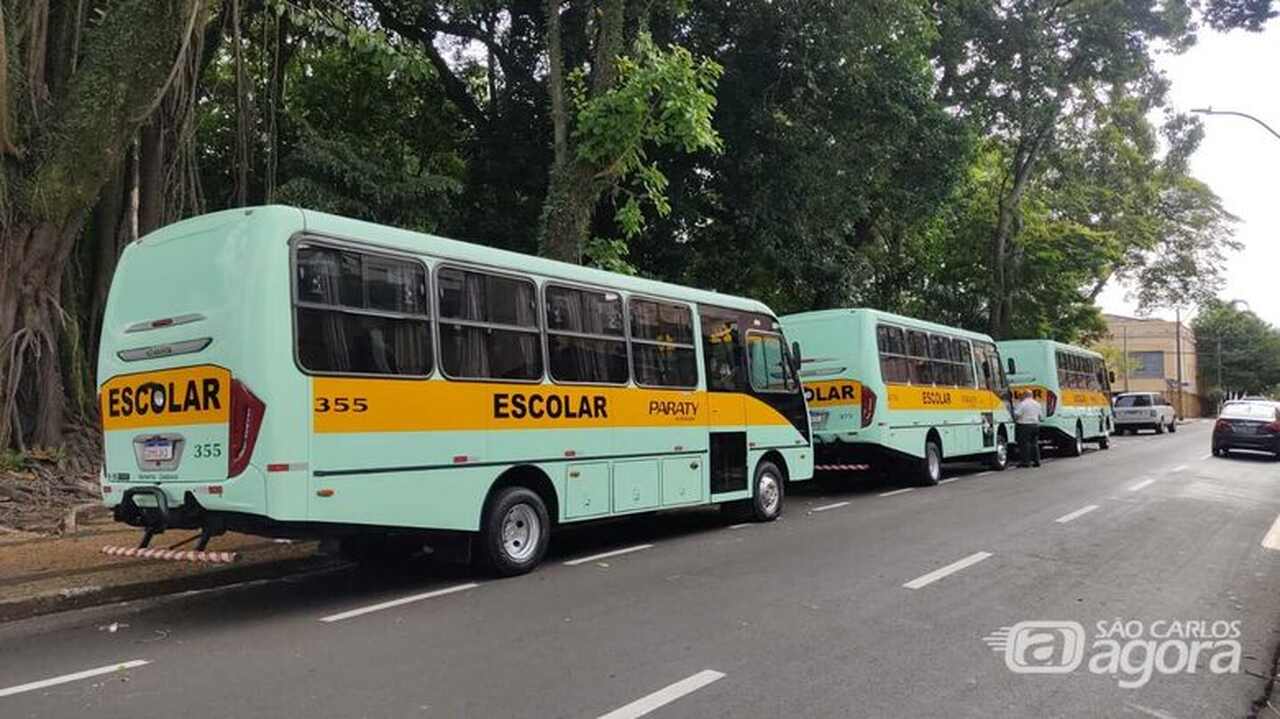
{"points": [[94, 596]]}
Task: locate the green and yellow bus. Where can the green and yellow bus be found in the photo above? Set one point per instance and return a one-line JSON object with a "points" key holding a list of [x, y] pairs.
{"points": [[887, 391], [1071, 383], [289, 373]]}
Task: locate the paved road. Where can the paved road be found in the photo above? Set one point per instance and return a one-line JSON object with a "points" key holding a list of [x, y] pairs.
{"points": [[839, 609]]}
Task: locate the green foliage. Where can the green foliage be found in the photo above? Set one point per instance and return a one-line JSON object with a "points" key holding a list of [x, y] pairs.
{"points": [[662, 98], [1236, 350]]}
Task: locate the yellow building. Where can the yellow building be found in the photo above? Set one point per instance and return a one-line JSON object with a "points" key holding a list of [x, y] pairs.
{"points": [[1153, 349]]}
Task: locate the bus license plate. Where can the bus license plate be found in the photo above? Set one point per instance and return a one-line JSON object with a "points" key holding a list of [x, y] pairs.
{"points": [[157, 450]]}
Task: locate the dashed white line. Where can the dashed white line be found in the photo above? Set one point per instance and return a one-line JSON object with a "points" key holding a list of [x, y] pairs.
{"points": [[1076, 514], [948, 570], [1272, 540], [606, 555], [398, 602], [1207, 456], [65, 678], [665, 695], [825, 507], [897, 491], [1179, 468], [983, 474], [945, 481], [740, 526], [1142, 485]]}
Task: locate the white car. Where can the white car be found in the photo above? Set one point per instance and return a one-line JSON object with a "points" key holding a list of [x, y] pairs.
{"points": [[1144, 410]]}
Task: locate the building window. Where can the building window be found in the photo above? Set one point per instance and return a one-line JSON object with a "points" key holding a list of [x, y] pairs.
{"points": [[1147, 365], [489, 326], [360, 313]]}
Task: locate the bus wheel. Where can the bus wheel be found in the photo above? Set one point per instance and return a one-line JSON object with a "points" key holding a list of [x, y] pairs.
{"points": [[1000, 458], [929, 467], [1076, 448], [514, 532], [1173, 425], [767, 503], [1104, 442]]}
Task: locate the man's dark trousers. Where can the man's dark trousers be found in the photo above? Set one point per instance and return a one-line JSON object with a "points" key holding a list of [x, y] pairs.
{"points": [[1028, 443]]}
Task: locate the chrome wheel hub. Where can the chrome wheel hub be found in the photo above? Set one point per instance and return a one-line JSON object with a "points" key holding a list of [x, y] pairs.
{"points": [[521, 532], [768, 493]]}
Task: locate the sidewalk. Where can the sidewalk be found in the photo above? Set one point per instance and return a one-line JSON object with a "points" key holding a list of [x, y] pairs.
{"points": [[39, 575]]}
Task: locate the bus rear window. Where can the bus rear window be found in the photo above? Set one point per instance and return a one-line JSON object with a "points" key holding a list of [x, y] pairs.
{"points": [[1134, 400]]}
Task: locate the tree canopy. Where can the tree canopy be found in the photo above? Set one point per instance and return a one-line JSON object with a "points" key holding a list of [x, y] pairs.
{"points": [[990, 165]]}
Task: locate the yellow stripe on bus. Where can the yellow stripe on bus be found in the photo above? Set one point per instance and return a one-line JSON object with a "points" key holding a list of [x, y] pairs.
{"points": [[1067, 397], [187, 395], [911, 397], [832, 393], [350, 405]]}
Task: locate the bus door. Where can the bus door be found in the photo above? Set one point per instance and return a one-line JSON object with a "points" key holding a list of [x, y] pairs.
{"points": [[724, 361]]}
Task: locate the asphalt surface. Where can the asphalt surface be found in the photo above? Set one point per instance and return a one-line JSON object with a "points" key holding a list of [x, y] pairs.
{"points": [[838, 609]]}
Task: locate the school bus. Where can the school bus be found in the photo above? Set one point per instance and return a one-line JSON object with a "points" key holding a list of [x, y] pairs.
{"points": [[1072, 385], [892, 392], [290, 373]]}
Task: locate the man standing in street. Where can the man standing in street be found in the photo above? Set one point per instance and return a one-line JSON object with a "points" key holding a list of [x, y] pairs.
{"points": [[1026, 415]]}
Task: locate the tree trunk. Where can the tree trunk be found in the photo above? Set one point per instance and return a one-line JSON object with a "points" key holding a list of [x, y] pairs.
{"points": [[32, 401]]}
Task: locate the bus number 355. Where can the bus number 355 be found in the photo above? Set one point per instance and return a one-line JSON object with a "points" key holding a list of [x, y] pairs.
{"points": [[341, 404]]}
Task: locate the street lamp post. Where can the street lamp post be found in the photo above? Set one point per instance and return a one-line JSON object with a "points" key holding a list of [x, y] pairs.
{"points": [[1211, 111]]}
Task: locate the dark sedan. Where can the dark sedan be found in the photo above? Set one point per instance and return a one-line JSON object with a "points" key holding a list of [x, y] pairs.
{"points": [[1247, 425]]}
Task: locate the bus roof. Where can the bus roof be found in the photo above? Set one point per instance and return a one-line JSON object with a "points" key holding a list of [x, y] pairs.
{"points": [[1054, 344], [391, 238], [827, 315]]}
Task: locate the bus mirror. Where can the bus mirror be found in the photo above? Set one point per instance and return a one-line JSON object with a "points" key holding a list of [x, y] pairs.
{"points": [[1013, 369], [1111, 375], [795, 356]]}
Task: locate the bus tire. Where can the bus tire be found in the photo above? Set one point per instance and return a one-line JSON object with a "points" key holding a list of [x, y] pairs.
{"points": [[928, 470], [514, 532], [1076, 447], [767, 495], [999, 460], [1173, 425], [1104, 442]]}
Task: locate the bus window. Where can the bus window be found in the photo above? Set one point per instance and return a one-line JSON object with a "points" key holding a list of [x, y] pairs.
{"points": [[722, 348], [940, 360], [662, 348], [767, 361], [360, 313], [963, 355], [489, 326], [894, 365], [585, 338], [918, 348]]}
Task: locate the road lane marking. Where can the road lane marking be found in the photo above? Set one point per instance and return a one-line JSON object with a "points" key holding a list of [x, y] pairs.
{"points": [[1207, 456], [398, 602], [983, 474], [606, 555], [1076, 514], [1142, 485], [65, 678], [950, 569], [1179, 468], [897, 491], [740, 526], [665, 695], [825, 507], [1272, 540]]}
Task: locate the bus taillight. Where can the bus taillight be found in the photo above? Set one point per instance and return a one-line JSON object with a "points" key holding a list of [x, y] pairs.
{"points": [[868, 406], [246, 420], [1050, 403]]}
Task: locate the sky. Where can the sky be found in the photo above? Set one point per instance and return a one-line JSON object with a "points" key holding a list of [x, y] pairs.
{"points": [[1238, 71]]}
